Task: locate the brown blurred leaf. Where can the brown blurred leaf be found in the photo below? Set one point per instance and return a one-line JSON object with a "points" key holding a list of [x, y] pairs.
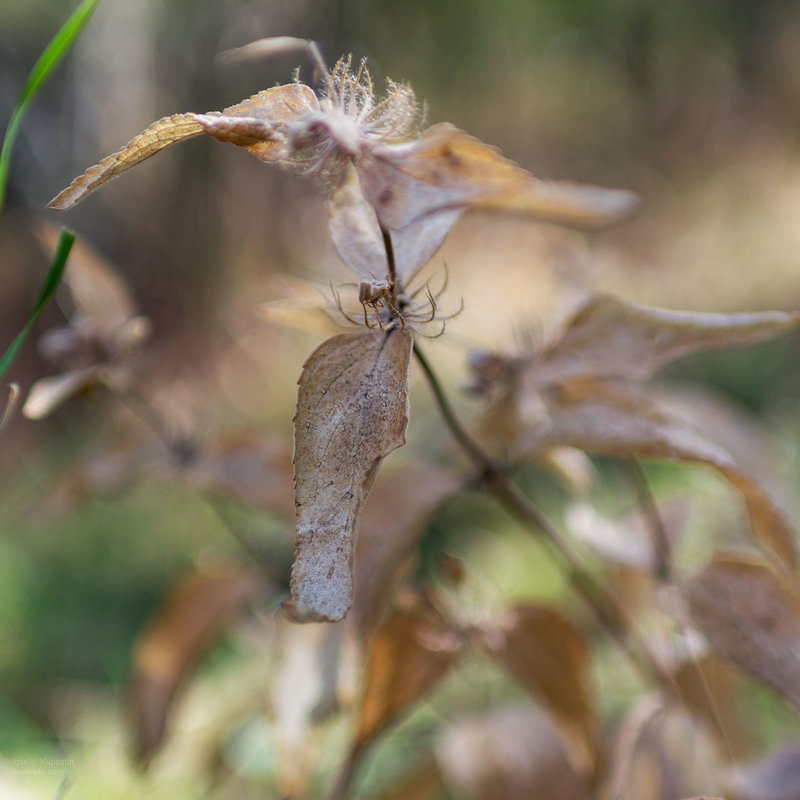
{"points": [[447, 169], [247, 124], [394, 517], [407, 656], [194, 612], [352, 411], [608, 337], [613, 419], [751, 616], [422, 783], [551, 658], [511, 754], [775, 776]]}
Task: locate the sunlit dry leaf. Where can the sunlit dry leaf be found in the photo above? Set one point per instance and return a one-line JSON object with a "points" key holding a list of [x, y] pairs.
{"points": [[511, 754], [447, 169], [48, 393], [775, 776], [551, 658], [248, 124], [352, 411], [264, 48], [407, 656], [394, 517], [609, 337], [571, 466], [752, 618], [192, 615]]}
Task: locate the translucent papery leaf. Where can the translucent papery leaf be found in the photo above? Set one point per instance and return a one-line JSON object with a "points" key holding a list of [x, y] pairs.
{"points": [[157, 136], [399, 507], [356, 234], [251, 124], [551, 658], [47, 394], [193, 614], [601, 417], [609, 337], [352, 411], [448, 169], [751, 616]]}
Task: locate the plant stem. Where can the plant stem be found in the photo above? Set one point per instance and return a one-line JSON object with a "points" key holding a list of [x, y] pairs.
{"points": [[608, 612], [391, 263]]}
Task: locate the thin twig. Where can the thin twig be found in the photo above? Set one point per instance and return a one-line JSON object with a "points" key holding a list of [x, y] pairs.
{"points": [[662, 548]]}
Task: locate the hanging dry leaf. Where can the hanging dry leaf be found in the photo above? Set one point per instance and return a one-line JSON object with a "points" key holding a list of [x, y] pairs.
{"points": [[352, 411], [551, 658], [511, 754], [192, 615], [407, 656], [752, 618], [394, 517]]}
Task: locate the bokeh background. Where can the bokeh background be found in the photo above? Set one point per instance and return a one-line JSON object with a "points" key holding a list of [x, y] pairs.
{"points": [[696, 106]]}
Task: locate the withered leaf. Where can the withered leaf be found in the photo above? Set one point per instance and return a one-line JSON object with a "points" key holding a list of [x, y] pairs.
{"points": [[248, 124], [48, 393], [408, 654], [608, 337], [192, 615], [551, 658], [355, 231], [752, 618], [447, 169], [613, 419], [352, 411]]}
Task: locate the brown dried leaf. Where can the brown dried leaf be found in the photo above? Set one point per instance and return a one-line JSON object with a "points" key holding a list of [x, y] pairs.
{"points": [[249, 124], [408, 654], [608, 337], [394, 517], [551, 658], [192, 615], [352, 411], [751, 616], [447, 169], [356, 234], [614, 419], [511, 754]]}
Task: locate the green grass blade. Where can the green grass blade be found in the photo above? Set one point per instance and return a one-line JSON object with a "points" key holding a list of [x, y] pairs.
{"points": [[45, 64], [51, 282]]}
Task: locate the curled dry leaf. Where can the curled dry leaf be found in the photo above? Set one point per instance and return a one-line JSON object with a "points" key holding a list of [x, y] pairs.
{"points": [[194, 612], [751, 617], [407, 656], [352, 411], [47, 394], [580, 391], [551, 658], [365, 151]]}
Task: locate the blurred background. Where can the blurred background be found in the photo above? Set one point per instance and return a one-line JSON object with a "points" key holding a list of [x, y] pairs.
{"points": [[693, 105]]}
